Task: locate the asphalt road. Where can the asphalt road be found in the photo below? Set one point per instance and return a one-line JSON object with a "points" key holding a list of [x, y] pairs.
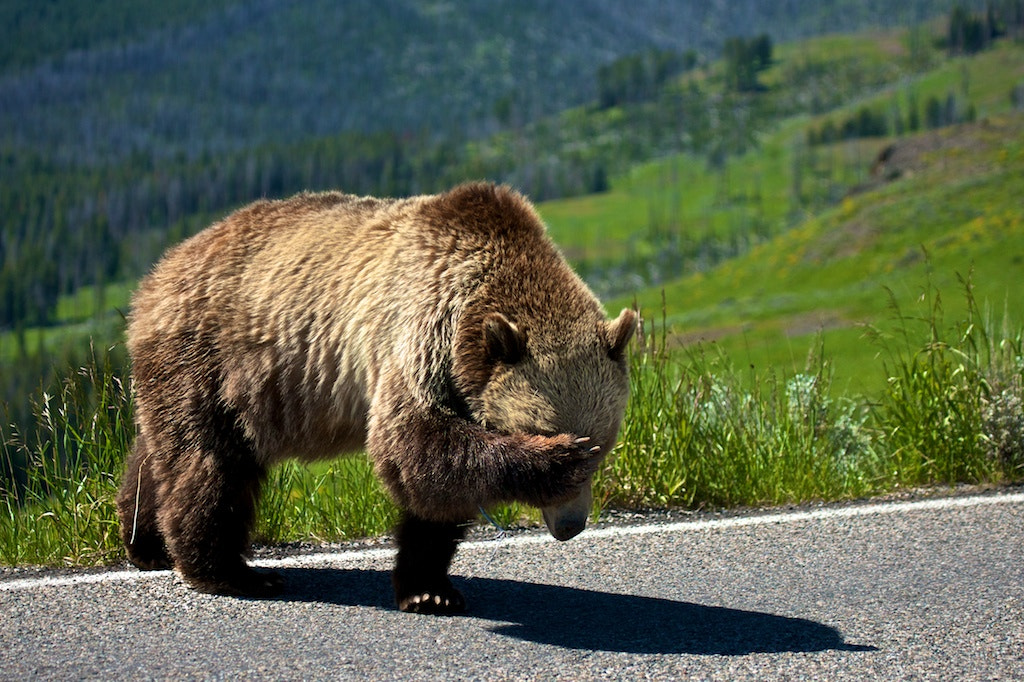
{"points": [[923, 590]]}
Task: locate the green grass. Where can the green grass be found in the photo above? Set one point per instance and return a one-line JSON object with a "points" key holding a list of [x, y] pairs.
{"points": [[952, 406], [962, 213], [702, 432], [721, 438], [323, 502], [63, 510]]}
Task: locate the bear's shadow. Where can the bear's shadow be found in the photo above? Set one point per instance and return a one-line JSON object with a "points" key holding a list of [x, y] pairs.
{"points": [[588, 620]]}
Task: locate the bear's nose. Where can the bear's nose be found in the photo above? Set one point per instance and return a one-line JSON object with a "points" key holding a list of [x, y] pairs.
{"points": [[567, 531], [564, 523]]}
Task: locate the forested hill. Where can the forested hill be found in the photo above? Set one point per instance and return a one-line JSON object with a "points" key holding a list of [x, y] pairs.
{"points": [[87, 81], [126, 126]]}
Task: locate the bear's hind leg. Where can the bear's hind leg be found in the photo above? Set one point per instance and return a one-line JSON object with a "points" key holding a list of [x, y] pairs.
{"points": [[420, 578], [137, 511], [207, 520]]}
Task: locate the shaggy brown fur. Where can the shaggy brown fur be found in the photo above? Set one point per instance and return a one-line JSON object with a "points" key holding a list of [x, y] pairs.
{"points": [[445, 334]]}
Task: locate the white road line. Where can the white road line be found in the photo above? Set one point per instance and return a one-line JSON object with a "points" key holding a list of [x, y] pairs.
{"points": [[335, 558]]}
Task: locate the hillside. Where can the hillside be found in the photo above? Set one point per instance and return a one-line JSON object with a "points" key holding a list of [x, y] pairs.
{"points": [[791, 242], [944, 207], [732, 172], [123, 131]]}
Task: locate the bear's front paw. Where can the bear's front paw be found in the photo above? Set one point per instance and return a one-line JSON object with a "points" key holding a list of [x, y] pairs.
{"points": [[567, 463], [577, 453], [437, 602]]}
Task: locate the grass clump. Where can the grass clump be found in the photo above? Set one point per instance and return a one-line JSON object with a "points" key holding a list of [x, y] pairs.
{"points": [[952, 407], [324, 502], [60, 509], [700, 433]]}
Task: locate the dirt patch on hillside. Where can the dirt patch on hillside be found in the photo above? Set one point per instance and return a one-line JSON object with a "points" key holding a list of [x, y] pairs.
{"points": [[963, 150], [960, 145]]}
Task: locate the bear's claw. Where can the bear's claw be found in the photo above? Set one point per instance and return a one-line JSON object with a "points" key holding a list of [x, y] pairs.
{"points": [[586, 439], [434, 603]]}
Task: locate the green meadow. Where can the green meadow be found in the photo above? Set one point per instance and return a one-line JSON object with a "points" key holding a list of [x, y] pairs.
{"points": [[823, 247]]}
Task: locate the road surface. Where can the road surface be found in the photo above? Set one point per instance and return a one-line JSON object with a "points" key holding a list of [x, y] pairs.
{"points": [[931, 589]]}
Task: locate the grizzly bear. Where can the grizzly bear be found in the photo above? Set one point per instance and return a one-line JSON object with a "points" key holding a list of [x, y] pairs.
{"points": [[444, 334]]}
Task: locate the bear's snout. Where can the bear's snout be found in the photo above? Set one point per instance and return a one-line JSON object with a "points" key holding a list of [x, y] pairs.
{"points": [[566, 530], [568, 520]]}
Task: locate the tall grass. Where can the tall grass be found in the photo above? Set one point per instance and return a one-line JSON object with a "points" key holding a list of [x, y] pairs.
{"points": [[324, 502], [62, 511], [698, 432], [952, 408]]}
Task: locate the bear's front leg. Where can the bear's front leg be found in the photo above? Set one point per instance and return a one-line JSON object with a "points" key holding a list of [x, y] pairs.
{"points": [[441, 466], [420, 578]]}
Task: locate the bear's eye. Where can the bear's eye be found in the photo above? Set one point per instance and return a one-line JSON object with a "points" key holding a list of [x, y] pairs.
{"points": [[617, 354], [503, 341]]}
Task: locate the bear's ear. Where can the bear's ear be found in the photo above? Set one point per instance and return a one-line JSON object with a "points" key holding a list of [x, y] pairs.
{"points": [[620, 331], [503, 341]]}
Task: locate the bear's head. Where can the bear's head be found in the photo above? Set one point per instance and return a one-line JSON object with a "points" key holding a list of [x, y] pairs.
{"points": [[546, 380]]}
